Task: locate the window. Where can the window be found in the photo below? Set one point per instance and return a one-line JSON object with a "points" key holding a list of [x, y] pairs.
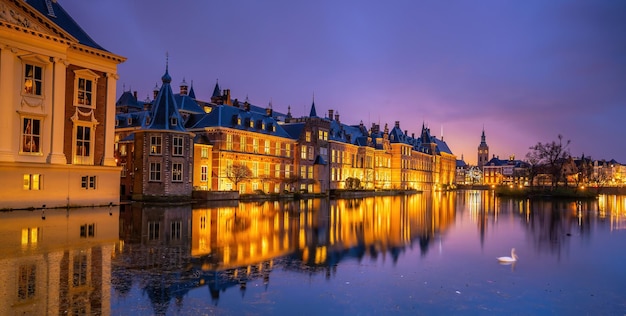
{"points": [[83, 154], [307, 136], [303, 152], [311, 152], [88, 230], [204, 153], [88, 182], [153, 230], [255, 145], [155, 145], [155, 171], [310, 172], [277, 170], [277, 153], [79, 269], [287, 171], [173, 121], [85, 91], [27, 282], [33, 182], [303, 172], [242, 143], [266, 149], [31, 135], [123, 173], [288, 150], [266, 169], [255, 169], [229, 142], [33, 80], [177, 172], [122, 149], [85, 88], [251, 123], [204, 173], [177, 145], [175, 233]]}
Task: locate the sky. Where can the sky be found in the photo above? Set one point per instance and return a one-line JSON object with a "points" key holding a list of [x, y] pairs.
{"points": [[524, 71]]}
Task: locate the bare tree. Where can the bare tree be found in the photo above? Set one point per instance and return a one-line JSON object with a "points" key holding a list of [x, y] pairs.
{"points": [[237, 173], [552, 155]]}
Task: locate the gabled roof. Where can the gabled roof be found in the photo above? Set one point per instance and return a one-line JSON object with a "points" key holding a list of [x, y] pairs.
{"points": [[294, 129], [55, 13], [164, 112]]}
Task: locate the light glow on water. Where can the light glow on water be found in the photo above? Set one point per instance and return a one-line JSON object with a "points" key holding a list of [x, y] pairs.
{"points": [[418, 254]]}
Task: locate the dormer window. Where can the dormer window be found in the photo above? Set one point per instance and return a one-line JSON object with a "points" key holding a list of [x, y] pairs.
{"points": [[174, 121], [85, 88], [130, 121], [262, 125], [251, 124], [147, 120], [273, 128], [238, 120]]}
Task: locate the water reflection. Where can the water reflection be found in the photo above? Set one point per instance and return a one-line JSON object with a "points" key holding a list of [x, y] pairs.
{"points": [[57, 262], [73, 261]]}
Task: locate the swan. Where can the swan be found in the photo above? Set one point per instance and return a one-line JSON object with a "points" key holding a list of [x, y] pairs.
{"points": [[511, 259]]}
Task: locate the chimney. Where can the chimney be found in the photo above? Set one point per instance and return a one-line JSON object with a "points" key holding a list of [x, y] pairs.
{"points": [[397, 124], [337, 117], [330, 114], [406, 132], [413, 135], [227, 97], [246, 106], [135, 94], [268, 111]]}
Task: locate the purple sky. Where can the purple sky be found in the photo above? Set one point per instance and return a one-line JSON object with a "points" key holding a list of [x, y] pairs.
{"points": [[525, 70]]}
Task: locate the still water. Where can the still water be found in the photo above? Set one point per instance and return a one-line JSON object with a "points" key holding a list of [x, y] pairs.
{"points": [[431, 253]]}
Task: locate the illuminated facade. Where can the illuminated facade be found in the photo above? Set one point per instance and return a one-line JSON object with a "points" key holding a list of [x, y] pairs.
{"points": [[57, 114]]}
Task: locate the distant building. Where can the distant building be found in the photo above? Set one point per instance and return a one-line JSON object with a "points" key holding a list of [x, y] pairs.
{"points": [[483, 151], [57, 113], [508, 172]]}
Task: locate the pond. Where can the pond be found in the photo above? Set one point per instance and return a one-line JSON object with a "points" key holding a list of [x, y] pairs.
{"points": [[428, 253]]}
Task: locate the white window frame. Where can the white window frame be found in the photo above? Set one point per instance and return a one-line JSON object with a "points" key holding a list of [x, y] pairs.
{"points": [[177, 172], [178, 143], [154, 172], [28, 139], [86, 76], [156, 145], [32, 90], [83, 149]]}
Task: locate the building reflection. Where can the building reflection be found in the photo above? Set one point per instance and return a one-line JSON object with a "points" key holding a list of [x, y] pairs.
{"points": [[170, 250], [58, 261], [549, 223]]}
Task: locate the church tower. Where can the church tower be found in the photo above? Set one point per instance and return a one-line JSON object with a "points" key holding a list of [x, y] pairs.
{"points": [[483, 151]]}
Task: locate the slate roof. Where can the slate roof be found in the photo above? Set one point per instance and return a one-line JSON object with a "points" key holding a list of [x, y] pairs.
{"points": [[127, 99], [294, 129], [227, 116], [62, 19], [187, 103], [164, 112]]}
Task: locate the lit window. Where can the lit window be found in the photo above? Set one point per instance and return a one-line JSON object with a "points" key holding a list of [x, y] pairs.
{"points": [[31, 135], [277, 170], [266, 149], [85, 87], [288, 150], [255, 145], [204, 153], [307, 136], [177, 172], [311, 152], [122, 149], [242, 143], [303, 172], [155, 145], [33, 79], [32, 182], [255, 169], [83, 140], [303, 152], [310, 172], [177, 145], [229, 142], [287, 171], [155, 171], [277, 148]]}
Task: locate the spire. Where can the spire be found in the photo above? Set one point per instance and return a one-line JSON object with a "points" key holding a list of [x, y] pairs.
{"points": [[192, 94], [482, 138], [217, 92], [164, 112], [313, 113]]}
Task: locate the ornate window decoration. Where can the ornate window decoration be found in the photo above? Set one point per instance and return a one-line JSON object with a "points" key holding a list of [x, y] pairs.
{"points": [[85, 82], [83, 137], [33, 79]]}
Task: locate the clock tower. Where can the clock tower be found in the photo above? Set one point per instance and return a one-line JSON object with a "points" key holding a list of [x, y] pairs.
{"points": [[483, 151]]}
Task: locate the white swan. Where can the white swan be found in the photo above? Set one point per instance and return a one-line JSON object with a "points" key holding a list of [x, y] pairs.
{"points": [[511, 259]]}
